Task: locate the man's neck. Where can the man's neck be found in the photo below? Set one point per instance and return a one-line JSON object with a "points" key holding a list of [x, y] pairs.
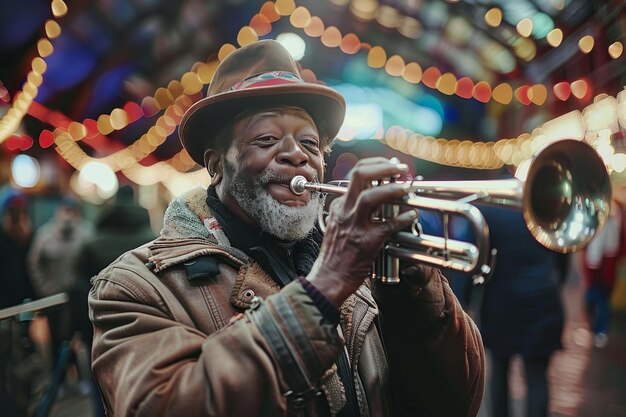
{"points": [[231, 204]]}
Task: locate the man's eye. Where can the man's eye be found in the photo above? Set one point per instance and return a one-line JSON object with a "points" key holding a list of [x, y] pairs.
{"points": [[266, 139], [309, 142]]}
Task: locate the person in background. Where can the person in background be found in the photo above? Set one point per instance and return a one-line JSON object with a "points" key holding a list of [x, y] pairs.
{"points": [[15, 288], [53, 260], [600, 271], [240, 308], [121, 226], [521, 311], [15, 240]]}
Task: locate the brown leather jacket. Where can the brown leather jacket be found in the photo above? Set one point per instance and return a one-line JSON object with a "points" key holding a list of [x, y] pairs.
{"points": [[235, 344]]}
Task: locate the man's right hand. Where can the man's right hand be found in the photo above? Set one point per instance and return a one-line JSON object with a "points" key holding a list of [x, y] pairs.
{"points": [[352, 240]]}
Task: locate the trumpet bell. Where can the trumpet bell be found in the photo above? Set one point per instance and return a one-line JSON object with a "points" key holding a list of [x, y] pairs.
{"points": [[567, 195], [565, 200]]}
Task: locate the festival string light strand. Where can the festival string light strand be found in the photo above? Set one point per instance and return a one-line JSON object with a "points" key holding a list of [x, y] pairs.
{"points": [[432, 77], [488, 155], [440, 150], [23, 99]]}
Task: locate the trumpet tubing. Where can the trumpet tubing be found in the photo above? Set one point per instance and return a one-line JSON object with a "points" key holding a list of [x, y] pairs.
{"points": [[565, 201]]}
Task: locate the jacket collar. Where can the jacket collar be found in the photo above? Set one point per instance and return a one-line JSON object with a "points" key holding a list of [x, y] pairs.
{"points": [[190, 230]]}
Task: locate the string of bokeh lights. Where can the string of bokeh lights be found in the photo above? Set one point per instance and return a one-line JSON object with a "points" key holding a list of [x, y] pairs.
{"points": [[594, 122], [467, 154], [392, 18], [432, 77], [179, 95], [10, 121], [176, 98]]}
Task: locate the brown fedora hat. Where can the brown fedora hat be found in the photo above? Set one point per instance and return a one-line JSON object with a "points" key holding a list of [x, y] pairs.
{"points": [[259, 74]]}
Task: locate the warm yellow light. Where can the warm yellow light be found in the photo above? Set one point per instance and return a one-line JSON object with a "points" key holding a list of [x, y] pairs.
{"points": [[59, 8], [175, 112], [39, 65], [163, 97], [388, 17], [175, 88], [446, 84], [410, 27], [44, 47], [616, 49], [225, 50], [364, 9], [412, 73], [77, 131], [585, 44], [30, 89], [555, 37], [246, 35], [53, 29], [525, 27], [206, 71], [315, 27], [168, 121], [191, 83], [376, 57], [104, 124], [568, 126], [34, 78], [602, 115], [538, 94], [493, 17], [450, 151], [579, 88], [165, 126], [525, 49], [394, 66], [503, 93], [119, 119], [331, 37], [300, 17], [285, 7]]}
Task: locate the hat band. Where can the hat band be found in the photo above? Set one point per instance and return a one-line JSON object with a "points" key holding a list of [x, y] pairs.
{"points": [[268, 79]]}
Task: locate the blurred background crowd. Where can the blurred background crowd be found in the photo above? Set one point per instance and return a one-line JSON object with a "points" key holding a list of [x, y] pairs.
{"points": [[92, 92]]}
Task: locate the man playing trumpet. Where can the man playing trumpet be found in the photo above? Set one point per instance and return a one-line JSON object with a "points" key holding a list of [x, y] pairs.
{"points": [[240, 308]]}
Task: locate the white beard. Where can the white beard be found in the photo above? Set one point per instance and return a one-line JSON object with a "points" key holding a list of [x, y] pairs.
{"points": [[279, 220]]}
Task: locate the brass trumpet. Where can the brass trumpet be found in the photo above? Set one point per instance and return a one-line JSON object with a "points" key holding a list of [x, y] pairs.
{"points": [[565, 201]]}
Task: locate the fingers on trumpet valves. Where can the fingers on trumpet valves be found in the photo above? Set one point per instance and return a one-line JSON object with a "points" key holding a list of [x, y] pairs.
{"points": [[401, 166], [372, 199], [372, 170], [399, 222]]}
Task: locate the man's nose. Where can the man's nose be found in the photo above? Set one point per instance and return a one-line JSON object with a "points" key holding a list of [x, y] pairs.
{"points": [[291, 153]]}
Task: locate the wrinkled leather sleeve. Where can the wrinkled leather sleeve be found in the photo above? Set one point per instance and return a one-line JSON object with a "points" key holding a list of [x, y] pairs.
{"points": [[435, 351], [148, 364]]}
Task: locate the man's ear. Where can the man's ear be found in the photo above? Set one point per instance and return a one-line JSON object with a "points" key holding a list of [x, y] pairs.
{"points": [[213, 163]]}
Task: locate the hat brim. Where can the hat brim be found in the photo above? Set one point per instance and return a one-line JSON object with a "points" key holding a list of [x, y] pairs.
{"points": [[205, 118]]}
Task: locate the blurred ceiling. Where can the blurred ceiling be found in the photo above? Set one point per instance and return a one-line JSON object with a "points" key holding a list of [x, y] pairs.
{"points": [[112, 52]]}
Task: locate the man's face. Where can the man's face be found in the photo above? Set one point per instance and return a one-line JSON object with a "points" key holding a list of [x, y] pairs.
{"points": [[268, 149]]}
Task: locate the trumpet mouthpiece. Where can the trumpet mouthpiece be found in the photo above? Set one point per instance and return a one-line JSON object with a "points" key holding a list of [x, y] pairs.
{"points": [[297, 185]]}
